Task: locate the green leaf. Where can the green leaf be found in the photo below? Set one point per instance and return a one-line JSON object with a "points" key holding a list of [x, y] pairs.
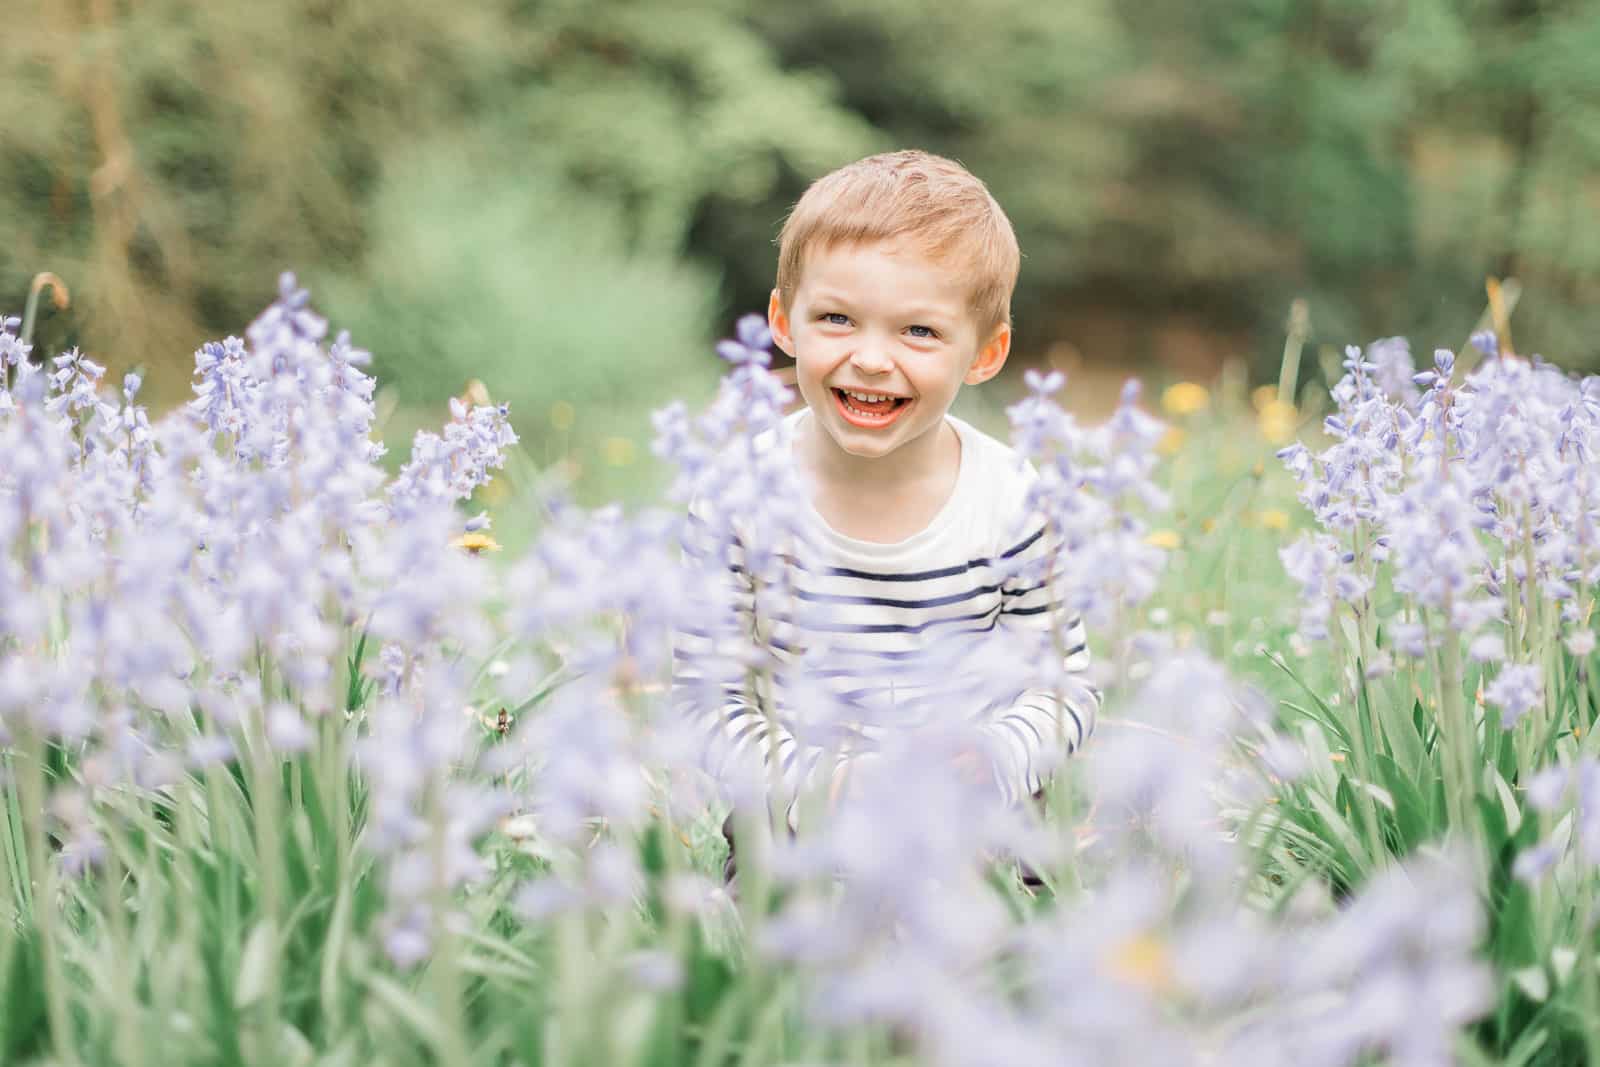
{"points": [[332, 956], [1337, 831], [1527, 1045], [1413, 818], [1533, 982], [1404, 736], [1493, 819], [1427, 730], [23, 1028], [710, 978], [1326, 715], [258, 965], [1508, 804], [406, 1008], [1514, 935]]}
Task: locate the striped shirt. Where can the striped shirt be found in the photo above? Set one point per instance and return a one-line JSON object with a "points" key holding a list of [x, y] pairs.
{"points": [[861, 638]]}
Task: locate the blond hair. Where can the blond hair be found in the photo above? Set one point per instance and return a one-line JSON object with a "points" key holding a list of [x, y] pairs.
{"points": [[935, 202]]}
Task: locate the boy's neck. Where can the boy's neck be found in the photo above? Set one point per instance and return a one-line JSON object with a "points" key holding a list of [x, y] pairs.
{"points": [[879, 499], [922, 459]]}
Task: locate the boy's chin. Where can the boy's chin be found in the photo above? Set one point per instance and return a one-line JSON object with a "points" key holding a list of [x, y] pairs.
{"points": [[867, 444], [865, 449]]}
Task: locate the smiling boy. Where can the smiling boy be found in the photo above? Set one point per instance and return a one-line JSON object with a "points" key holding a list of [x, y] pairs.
{"points": [[894, 283]]}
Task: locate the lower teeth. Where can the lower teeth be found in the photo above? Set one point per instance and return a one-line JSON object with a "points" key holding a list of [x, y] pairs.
{"points": [[858, 409]]}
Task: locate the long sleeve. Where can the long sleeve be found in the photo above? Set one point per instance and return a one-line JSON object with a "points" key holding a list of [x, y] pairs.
{"points": [[711, 668], [1054, 717]]}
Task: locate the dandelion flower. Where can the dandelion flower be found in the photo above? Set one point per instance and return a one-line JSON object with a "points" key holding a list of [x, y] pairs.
{"points": [[476, 542]]}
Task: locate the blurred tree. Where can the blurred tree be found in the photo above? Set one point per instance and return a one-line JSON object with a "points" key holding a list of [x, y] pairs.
{"points": [[170, 159], [543, 296], [1380, 159], [1160, 160]]}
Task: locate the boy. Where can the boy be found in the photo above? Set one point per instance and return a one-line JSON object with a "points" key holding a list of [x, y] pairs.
{"points": [[894, 284]]}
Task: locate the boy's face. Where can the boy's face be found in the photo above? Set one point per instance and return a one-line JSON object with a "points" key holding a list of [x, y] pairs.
{"points": [[882, 321]]}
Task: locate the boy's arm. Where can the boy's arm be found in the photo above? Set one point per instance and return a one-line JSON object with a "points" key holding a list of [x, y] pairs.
{"points": [[1053, 719]]}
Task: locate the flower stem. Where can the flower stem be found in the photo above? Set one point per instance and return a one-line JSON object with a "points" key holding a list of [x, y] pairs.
{"points": [[444, 972], [30, 310], [41, 868]]}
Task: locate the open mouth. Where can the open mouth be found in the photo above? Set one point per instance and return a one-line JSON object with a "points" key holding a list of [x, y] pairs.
{"points": [[872, 410]]}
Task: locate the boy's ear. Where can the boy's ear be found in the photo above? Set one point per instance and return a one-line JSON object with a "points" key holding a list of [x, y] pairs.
{"points": [[991, 357], [778, 323]]}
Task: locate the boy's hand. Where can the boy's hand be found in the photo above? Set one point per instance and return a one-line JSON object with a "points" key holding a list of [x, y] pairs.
{"points": [[974, 766]]}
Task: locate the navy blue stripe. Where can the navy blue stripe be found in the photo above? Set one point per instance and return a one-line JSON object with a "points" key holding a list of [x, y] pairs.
{"points": [[891, 602], [1071, 714], [1025, 722], [1027, 762], [910, 576]]}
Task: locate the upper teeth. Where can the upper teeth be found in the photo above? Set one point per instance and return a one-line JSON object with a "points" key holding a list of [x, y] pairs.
{"points": [[867, 398]]}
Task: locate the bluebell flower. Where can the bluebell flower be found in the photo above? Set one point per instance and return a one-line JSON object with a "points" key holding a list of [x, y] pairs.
{"points": [[1042, 384], [1516, 690], [751, 347]]}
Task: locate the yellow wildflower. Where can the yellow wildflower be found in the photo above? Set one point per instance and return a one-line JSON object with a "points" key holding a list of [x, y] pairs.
{"points": [[1163, 538], [476, 543], [1277, 421], [1262, 395], [563, 415], [1171, 441], [618, 451], [1185, 398], [1141, 961], [1273, 518]]}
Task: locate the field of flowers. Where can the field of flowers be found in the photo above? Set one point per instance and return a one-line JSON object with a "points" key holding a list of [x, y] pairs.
{"points": [[297, 771]]}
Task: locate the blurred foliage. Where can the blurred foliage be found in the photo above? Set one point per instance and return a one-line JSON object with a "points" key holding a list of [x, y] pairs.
{"points": [[541, 296], [568, 200]]}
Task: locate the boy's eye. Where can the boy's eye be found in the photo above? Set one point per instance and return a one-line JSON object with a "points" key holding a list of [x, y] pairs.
{"points": [[927, 331], [835, 318]]}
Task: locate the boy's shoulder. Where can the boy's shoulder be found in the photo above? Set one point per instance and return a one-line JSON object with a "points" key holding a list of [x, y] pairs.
{"points": [[997, 466]]}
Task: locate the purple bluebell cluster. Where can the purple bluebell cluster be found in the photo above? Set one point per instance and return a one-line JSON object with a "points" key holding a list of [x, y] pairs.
{"points": [[184, 593], [1096, 488], [176, 593], [1473, 500]]}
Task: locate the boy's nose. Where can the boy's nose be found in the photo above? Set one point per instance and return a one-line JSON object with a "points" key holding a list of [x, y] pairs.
{"points": [[870, 360]]}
